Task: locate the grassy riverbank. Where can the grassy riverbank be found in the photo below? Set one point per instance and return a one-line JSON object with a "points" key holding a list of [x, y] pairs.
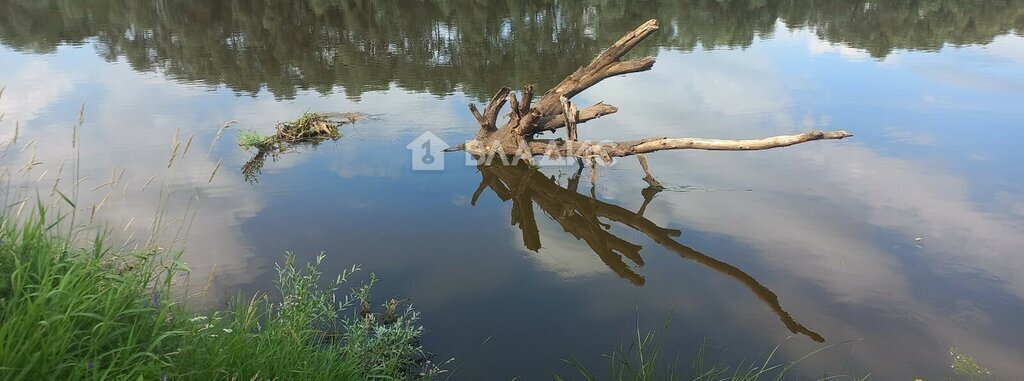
{"points": [[69, 312]]}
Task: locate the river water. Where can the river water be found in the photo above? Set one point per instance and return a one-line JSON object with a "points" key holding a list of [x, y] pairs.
{"points": [[892, 247]]}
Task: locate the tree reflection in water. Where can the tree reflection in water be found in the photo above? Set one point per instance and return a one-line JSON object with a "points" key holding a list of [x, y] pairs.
{"points": [[440, 46], [581, 216]]}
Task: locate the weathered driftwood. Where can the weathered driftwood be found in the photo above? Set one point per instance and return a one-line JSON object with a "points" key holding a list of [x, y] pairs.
{"points": [[554, 110], [584, 217]]}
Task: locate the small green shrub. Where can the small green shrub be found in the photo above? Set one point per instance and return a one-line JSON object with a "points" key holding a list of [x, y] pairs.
{"points": [[252, 139], [966, 366]]}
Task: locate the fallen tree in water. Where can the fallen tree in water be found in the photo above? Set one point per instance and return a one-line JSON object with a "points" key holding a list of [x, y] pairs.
{"points": [[554, 110]]}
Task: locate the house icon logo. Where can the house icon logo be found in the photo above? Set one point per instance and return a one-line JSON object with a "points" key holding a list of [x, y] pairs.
{"points": [[427, 152]]}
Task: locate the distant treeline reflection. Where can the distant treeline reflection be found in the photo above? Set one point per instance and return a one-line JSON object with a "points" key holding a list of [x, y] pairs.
{"points": [[443, 46]]}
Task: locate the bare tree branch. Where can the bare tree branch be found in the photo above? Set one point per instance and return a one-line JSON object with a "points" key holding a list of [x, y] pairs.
{"points": [[558, 147], [476, 114], [526, 99], [605, 65], [490, 116], [593, 112], [631, 66], [570, 115]]}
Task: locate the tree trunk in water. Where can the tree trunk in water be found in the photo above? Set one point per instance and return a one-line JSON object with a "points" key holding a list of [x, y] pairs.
{"points": [[554, 110]]}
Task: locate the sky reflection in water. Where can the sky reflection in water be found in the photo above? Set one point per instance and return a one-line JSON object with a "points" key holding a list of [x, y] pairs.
{"points": [[907, 236]]}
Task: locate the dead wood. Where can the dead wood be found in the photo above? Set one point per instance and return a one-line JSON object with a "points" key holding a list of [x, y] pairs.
{"points": [[554, 110]]}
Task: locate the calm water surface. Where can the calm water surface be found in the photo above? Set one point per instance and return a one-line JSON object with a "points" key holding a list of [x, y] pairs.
{"points": [[906, 238]]}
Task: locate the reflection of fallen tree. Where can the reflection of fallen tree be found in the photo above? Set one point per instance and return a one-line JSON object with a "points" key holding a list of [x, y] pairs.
{"points": [[581, 216], [308, 131]]}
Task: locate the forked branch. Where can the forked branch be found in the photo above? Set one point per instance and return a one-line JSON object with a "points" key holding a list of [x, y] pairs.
{"points": [[488, 119], [607, 64], [549, 113]]}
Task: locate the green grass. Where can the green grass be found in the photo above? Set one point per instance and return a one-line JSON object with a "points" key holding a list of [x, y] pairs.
{"points": [[644, 360], [967, 367], [70, 312], [308, 127], [250, 138]]}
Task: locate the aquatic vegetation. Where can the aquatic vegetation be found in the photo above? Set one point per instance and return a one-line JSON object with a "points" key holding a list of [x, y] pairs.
{"points": [[250, 138], [306, 131], [309, 127], [643, 359], [69, 312], [965, 365]]}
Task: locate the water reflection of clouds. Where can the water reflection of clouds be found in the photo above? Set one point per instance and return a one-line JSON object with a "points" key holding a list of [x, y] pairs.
{"points": [[131, 119], [813, 221], [127, 129], [1007, 46], [840, 216], [562, 254], [819, 47], [30, 87]]}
